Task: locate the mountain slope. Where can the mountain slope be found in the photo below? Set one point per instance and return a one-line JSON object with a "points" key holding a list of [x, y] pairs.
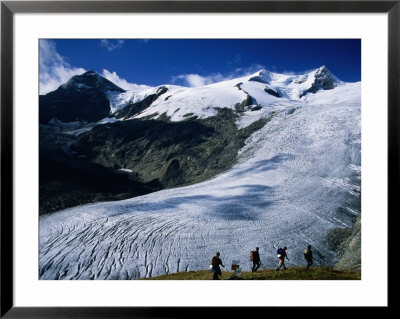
{"points": [[90, 97], [82, 98], [261, 88], [173, 153]]}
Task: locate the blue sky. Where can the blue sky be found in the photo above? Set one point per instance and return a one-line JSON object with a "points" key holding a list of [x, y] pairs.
{"points": [[192, 62]]}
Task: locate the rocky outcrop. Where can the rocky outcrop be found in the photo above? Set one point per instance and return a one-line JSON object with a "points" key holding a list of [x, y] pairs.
{"points": [[349, 250], [271, 92], [82, 98], [134, 157], [258, 79], [135, 108], [170, 153], [241, 107], [324, 80], [346, 242], [66, 180]]}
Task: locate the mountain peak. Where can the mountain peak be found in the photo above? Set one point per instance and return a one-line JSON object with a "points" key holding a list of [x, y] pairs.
{"points": [[82, 97], [90, 72], [260, 72], [322, 71], [261, 76], [91, 80], [322, 79]]}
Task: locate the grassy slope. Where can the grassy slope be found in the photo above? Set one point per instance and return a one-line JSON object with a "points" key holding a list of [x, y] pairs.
{"points": [[294, 273]]}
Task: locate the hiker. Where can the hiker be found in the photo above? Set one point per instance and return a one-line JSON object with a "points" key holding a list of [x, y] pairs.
{"points": [[255, 258], [308, 256], [215, 262], [281, 255]]}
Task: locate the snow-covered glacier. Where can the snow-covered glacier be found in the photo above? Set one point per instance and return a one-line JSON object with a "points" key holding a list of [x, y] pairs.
{"points": [[296, 179]]}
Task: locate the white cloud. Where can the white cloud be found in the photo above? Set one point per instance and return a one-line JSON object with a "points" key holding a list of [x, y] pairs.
{"points": [[194, 79], [122, 83], [111, 45], [54, 70], [238, 72]]}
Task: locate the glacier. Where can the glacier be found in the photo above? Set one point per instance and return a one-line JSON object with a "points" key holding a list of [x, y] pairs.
{"points": [[296, 179]]}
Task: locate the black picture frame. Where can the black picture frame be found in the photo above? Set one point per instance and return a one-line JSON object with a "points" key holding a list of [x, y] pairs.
{"points": [[9, 8]]}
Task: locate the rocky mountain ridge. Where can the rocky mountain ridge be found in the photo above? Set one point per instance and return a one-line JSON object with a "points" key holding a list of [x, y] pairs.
{"points": [[82, 98], [90, 97]]}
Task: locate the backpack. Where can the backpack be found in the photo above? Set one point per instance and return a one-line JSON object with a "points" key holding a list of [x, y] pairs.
{"points": [[280, 252], [214, 261], [252, 255]]}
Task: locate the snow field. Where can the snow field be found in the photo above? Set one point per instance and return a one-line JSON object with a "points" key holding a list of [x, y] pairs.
{"points": [[180, 102]]}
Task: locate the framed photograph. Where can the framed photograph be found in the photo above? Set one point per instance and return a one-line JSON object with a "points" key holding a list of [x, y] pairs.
{"points": [[149, 147]]}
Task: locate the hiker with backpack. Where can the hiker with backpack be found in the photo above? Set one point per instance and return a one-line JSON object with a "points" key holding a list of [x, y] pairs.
{"points": [[308, 256], [255, 258], [281, 256], [215, 262]]}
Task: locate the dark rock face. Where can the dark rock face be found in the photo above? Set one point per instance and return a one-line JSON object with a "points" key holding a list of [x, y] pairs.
{"points": [[91, 80], [169, 153], [241, 107], [262, 76], [66, 180], [135, 108], [258, 79], [271, 92], [173, 176], [82, 98], [239, 85], [324, 80]]}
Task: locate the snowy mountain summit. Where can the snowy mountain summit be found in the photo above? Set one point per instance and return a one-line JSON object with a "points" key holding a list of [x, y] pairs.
{"points": [[265, 160], [263, 88]]}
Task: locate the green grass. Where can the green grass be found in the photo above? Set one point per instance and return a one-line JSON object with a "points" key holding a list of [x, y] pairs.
{"points": [[293, 273]]}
